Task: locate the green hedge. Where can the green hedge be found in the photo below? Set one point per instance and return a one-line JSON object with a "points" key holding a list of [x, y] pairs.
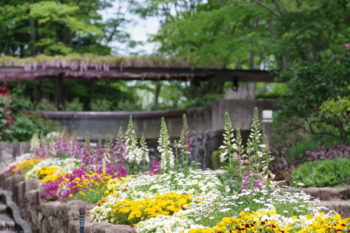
{"points": [[322, 173]]}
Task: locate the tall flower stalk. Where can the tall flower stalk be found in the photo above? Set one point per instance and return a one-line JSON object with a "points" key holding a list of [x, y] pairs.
{"points": [[229, 145], [255, 163], [131, 143], [184, 146], [144, 151], [166, 153], [119, 150]]}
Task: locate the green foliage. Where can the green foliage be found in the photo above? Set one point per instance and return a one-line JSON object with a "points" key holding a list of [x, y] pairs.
{"points": [[50, 27], [91, 195], [215, 159], [247, 34], [322, 173], [314, 88], [295, 152], [16, 126], [74, 105], [45, 105], [340, 107], [5, 112], [271, 90], [101, 105], [25, 126]]}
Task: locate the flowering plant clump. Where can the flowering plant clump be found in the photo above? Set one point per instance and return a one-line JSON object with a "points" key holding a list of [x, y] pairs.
{"points": [[24, 166], [255, 162], [254, 159], [134, 211], [264, 220], [78, 180], [44, 171], [148, 186]]}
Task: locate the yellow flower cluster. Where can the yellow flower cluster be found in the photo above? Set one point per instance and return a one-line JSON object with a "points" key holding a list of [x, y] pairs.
{"points": [[45, 171], [86, 181], [131, 212], [53, 177], [327, 224], [113, 185], [250, 223], [26, 165], [245, 223]]}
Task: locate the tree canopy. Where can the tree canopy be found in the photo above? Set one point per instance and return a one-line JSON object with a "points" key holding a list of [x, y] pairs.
{"points": [[62, 27], [250, 33]]}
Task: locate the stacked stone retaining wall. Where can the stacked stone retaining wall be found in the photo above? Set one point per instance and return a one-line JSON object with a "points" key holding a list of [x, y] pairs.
{"points": [[55, 216], [9, 151]]}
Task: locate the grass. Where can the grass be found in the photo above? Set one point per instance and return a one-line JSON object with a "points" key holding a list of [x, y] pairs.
{"points": [[91, 195]]}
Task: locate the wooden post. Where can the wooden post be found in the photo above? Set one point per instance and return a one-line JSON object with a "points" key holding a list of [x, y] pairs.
{"points": [[59, 93]]}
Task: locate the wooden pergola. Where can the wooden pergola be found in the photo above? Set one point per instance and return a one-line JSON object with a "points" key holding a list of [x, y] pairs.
{"points": [[59, 69], [115, 73]]}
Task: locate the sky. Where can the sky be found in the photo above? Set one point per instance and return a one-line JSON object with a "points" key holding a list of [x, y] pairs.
{"points": [[139, 30]]}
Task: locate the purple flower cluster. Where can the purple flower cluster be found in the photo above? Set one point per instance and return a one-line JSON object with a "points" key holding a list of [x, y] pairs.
{"points": [[251, 174], [79, 180]]}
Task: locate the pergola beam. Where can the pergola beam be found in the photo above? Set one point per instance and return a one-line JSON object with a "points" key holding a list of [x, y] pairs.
{"points": [[115, 73]]}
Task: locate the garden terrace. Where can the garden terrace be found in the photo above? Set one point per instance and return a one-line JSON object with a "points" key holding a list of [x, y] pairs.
{"points": [[116, 68]]}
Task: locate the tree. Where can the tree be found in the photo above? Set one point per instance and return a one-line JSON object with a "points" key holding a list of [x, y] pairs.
{"points": [[250, 33], [56, 27], [317, 93]]}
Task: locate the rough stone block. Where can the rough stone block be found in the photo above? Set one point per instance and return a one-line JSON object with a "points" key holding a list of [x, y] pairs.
{"points": [[103, 227], [32, 184], [19, 196], [74, 206]]}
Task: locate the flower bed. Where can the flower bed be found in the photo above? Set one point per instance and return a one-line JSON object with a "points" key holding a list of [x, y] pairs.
{"points": [[173, 195]]}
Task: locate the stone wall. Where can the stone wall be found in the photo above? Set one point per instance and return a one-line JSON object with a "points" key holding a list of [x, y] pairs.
{"points": [[55, 216], [201, 120], [9, 151]]}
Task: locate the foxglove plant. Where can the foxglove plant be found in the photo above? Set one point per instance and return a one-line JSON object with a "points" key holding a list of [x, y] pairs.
{"points": [[255, 163], [166, 153], [132, 150], [119, 152], [34, 142], [229, 146], [184, 146], [143, 150]]}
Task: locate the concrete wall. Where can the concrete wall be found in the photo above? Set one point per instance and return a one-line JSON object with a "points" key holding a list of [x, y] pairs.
{"points": [[201, 120]]}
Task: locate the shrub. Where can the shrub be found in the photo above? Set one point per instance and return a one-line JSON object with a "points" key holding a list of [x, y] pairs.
{"points": [[25, 126], [101, 105], [322, 173], [45, 105], [74, 105], [338, 151], [296, 152]]}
